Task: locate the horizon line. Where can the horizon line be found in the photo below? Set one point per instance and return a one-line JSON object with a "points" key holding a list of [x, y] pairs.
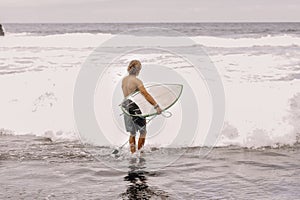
{"points": [[149, 22]]}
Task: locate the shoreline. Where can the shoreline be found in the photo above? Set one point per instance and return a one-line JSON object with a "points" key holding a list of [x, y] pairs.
{"points": [[34, 167]]}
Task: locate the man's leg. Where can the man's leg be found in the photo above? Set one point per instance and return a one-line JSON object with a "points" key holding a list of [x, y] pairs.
{"points": [[142, 139], [132, 143]]}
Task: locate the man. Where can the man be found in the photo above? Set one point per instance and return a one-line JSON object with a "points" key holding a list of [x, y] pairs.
{"points": [[130, 84]]}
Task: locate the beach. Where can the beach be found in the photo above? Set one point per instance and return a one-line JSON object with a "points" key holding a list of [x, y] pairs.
{"points": [[46, 152]]}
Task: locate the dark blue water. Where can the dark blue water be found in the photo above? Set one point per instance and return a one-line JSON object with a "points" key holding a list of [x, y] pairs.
{"points": [[188, 29]]}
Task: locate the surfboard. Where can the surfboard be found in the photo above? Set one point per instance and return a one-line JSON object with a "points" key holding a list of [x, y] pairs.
{"points": [[166, 95]]}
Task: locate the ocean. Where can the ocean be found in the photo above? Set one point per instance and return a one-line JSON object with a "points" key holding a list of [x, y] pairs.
{"points": [[234, 134]]}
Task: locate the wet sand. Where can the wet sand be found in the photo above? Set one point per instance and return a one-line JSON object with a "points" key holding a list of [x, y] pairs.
{"points": [[36, 168]]}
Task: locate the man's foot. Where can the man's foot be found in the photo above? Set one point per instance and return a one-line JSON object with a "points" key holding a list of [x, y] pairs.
{"points": [[132, 149], [140, 153]]}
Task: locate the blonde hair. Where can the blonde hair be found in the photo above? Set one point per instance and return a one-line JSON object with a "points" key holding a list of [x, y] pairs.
{"points": [[134, 66]]}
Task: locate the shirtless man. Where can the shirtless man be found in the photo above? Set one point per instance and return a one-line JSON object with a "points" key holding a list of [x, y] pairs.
{"points": [[130, 84]]}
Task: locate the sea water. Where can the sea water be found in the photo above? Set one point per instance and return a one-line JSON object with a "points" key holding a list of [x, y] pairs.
{"points": [[257, 149]]}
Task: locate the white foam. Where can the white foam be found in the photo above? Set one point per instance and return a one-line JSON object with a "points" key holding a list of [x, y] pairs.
{"points": [[282, 40], [259, 114], [80, 40], [39, 103], [74, 40], [262, 109]]}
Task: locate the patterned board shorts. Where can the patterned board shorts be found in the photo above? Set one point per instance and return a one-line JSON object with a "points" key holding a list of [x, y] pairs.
{"points": [[133, 123]]}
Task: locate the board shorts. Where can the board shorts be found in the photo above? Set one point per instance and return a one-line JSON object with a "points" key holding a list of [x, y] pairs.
{"points": [[133, 123]]}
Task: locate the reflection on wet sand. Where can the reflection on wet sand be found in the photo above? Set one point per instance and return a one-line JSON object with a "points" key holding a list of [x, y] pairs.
{"points": [[137, 188]]}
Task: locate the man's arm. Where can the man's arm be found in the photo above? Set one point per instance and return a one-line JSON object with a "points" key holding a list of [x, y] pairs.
{"points": [[147, 96]]}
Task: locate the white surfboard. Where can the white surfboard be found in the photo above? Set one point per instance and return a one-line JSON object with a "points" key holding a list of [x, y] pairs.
{"points": [[166, 95]]}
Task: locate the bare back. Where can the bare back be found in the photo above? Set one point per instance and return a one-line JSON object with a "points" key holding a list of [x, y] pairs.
{"points": [[130, 84]]}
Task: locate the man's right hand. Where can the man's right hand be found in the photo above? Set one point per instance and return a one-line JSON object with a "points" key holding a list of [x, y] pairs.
{"points": [[158, 110]]}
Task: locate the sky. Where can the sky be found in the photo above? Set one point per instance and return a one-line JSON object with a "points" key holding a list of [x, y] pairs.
{"points": [[56, 11]]}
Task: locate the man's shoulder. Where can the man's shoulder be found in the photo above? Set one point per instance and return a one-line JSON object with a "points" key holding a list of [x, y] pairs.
{"points": [[124, 79], [138, 81], [132, 80]]}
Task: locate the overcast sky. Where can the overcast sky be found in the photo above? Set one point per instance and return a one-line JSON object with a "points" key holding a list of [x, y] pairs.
{"points": [[149, 11]]}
